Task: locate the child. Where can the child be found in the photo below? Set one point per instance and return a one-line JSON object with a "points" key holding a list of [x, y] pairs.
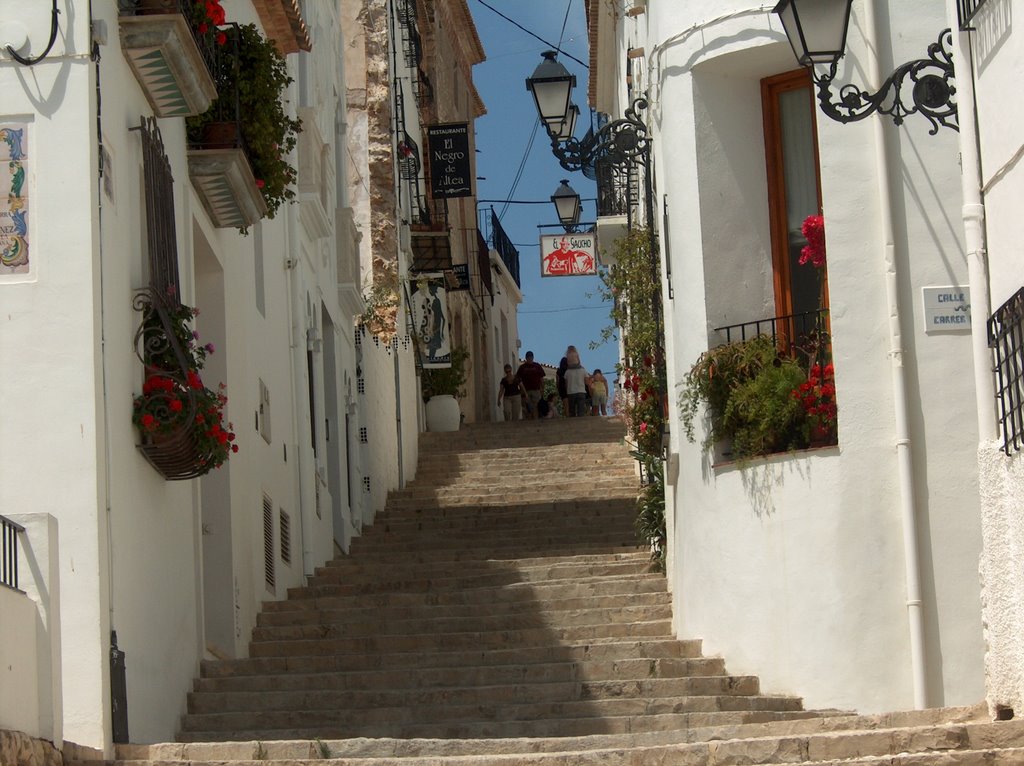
{"points": [[598, 394]]}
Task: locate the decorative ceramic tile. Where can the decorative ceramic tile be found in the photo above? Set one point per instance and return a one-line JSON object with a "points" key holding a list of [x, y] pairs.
{"points": [[13, 198]]}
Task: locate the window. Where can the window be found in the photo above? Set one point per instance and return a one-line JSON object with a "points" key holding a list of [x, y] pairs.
{"points": [[794, 187], [269, 573]]}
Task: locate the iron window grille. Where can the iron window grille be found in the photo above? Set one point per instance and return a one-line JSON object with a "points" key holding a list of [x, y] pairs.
{"points": [[967, 10], [9, 532], [1006, 339]]}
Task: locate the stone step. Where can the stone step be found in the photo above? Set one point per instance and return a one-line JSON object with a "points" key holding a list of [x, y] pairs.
{"points": [[370, 721], [507, 547], [550, 610], [408, 749], [470, 559], [537, 572], [809, 741], [543, 636], [502, 581], [385, 625], [517, 594], [489, 675], [648, 650], [445, 701], [543, 727]]}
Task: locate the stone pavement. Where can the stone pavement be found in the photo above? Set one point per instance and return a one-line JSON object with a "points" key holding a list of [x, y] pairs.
{"points": [[499, 612]]}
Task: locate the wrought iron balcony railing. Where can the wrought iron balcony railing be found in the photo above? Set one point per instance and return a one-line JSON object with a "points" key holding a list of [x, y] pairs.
{"points": [[802, 336]]}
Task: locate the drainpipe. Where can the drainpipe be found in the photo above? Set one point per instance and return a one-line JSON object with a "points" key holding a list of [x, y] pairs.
{"points": [[904, 462], [974, 231], [297, 341]]}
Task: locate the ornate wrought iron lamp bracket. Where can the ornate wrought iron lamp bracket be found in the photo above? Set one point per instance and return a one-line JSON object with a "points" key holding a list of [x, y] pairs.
{"points": [[620, 142], [932, 91]]}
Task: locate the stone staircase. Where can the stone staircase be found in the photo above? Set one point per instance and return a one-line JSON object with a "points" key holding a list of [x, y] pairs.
{"points": [[499, 612]]}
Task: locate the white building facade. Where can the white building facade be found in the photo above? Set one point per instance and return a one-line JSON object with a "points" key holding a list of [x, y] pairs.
{"points": [[177, 570], [845, 574]]}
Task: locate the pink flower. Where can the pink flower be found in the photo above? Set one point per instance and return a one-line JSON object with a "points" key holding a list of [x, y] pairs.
{"points": [[643, 428]]}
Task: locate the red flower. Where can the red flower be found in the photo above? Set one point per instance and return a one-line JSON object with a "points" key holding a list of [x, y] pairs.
{"points": [[234, 448], [148, 421], [175, 405], [194, 381], [221, 38], [203, 28], [260, 183]]}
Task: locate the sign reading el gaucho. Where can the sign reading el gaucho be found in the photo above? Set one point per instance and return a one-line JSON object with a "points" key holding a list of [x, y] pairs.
{"points": [[450, 167]]}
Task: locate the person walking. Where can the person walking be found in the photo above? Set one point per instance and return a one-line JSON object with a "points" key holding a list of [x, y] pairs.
{"points": [[576, 379], [598, 394], [563, 395], [532, 375], [510, 395]]}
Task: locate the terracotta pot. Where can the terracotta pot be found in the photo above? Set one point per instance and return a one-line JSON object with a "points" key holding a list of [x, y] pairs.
{"points": [[221, 135], [156, 7]]}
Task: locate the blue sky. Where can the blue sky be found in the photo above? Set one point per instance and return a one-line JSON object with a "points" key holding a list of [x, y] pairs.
{"points": [[556, 311]]}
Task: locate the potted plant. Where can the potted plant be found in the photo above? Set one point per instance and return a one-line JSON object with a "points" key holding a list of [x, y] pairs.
{"points": [[180, 420], [747, 389], [257, 77], [441, 388]]}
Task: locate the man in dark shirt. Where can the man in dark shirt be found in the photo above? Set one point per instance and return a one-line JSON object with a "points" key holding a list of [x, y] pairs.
{"points": [[532, 375]]}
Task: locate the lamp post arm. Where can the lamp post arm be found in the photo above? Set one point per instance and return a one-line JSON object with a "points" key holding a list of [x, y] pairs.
{"points": [[621, 141], [932, 91]]}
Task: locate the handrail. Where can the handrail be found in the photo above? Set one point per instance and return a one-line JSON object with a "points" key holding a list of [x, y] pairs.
{"points": [[9, 531]]}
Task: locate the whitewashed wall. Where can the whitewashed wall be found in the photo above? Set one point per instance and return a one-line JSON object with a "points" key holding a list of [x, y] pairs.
{"points": [[792, 567], [998, 61], [140, 555]]}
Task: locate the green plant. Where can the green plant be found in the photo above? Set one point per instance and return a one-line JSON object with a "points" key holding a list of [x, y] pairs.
{"points": [[258, 76], [633, 285], [747, 388], [650, 519], [380, 315], [322, 748], [447, 381]]}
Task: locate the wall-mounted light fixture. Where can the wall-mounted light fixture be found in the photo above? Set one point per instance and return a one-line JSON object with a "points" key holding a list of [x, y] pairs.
{"points": [[817, 32]]}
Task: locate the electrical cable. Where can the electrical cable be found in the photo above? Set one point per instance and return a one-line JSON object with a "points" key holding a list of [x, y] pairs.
{"points": [[517, 24], [519, 172]]}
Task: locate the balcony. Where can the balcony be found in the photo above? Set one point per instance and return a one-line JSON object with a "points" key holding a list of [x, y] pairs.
{"points": [[316, 177], [616, 195], [223, 178], [169, 59]]}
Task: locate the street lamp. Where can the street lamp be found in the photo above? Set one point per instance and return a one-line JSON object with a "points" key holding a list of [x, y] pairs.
{"points": [[551, 85], [567, 205], [567, 127], [816, 30]]}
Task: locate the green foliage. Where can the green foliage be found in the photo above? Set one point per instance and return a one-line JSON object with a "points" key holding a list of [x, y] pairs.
{"points": [[633, 284], [269, 133], [650, 519], [447, 380], [748, 391], [762, 414]]}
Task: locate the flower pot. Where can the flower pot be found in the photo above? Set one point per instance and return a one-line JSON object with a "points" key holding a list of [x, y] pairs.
{"points": [[822, 436], [151, 7], [443, 413], [221, 135]]}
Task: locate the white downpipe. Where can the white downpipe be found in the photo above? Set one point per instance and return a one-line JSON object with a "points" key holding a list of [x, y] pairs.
{"points": [[974, 231], [908, 490], [297, 341]]}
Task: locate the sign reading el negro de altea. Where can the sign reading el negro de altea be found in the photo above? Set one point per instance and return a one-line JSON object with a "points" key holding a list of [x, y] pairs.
{"points": [[450, 167]]}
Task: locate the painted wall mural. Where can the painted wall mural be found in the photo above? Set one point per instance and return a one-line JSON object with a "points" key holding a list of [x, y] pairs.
{"points": [[13, 198]]}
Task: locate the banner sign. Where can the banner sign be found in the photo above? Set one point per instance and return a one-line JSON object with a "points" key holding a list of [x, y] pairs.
{"points": [[461, 271], [450, 166], [568, 255], [430, 320]]}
